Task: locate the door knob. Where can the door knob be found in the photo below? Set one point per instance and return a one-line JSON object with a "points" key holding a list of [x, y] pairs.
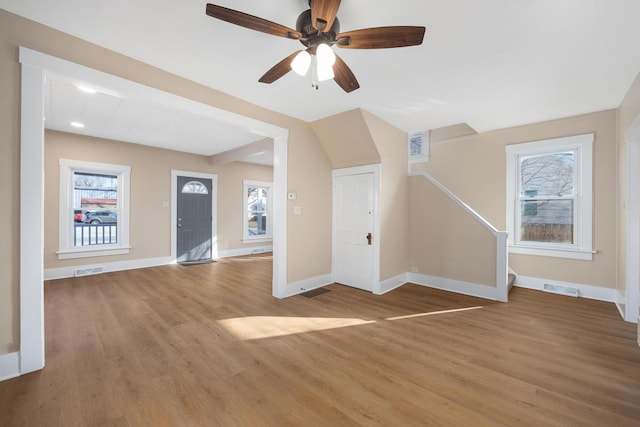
{"points": [[369, 239], [179, 225]]}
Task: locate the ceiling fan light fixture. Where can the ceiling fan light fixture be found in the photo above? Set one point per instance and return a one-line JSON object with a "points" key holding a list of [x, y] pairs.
{"points": [[318, 29], [325, 72], [326, 55], [301, 63]]}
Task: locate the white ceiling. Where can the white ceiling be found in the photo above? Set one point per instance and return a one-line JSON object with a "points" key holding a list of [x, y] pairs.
{"points": [[491, 63], [106, 115]]}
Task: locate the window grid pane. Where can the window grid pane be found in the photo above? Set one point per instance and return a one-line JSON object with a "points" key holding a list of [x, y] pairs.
{"points": [[545, 175], [549, 221], [256, 211], [95, 209], [194, 187]]}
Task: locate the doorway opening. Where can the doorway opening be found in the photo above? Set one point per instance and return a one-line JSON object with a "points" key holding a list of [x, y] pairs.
{"points": [[35, 67]]}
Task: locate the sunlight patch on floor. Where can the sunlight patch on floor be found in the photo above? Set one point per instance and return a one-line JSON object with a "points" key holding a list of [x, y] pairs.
{"points": [[257, 327], [431, 313]]}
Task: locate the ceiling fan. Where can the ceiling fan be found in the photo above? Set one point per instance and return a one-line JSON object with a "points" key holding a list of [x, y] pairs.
{"points": [[318, 29]]}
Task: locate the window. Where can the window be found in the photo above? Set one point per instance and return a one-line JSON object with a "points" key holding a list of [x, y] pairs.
{"points": [[257, 211], [94, 209], [418, 144], [549, 197], [194, 187]]}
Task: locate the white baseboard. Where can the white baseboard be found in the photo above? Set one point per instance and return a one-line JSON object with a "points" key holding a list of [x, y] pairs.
{"points": [[391, 284], [621, 309], [9, 366], [245, 251], [305, 285], [64, 272], [457, 286], [585, 291]]}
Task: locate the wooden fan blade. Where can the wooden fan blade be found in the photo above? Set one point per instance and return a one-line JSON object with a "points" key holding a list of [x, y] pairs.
{"points": [[344, 76], [381, 38], [323, 13], [279, 70], [252, 22]]}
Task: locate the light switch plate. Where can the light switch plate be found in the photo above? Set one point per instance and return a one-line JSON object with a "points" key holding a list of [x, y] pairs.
{"points": [[297, 210]]}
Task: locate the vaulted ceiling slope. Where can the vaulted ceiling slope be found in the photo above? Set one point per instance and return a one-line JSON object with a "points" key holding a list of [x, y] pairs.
{"points": [[490, 64]]}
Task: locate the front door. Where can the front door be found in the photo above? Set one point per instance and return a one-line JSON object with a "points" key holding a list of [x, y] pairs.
{"points": [[353, 228], [194, 219]]}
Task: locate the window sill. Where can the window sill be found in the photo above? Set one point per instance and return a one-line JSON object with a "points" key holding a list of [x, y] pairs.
{"points": [[257, 240], [93, 252], [569, 253]]}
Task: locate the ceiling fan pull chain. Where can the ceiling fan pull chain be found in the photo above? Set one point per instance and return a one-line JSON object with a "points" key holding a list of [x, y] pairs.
{"points": [[314, 72]]}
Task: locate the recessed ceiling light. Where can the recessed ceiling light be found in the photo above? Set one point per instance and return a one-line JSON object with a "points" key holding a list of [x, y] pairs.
{"points": [[77, 124], [86, 89]]}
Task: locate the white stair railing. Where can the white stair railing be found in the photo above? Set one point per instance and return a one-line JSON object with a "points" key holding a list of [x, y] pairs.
{"points": [[502, 254]]}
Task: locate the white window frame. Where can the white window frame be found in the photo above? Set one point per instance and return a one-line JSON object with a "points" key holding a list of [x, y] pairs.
{"points": [[421, 139], [66, 250], [582, 247], [246, 237]]}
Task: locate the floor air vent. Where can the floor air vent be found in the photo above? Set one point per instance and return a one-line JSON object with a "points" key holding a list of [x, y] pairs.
{"points": [[315, 292], [88, 271], [562, 290]]}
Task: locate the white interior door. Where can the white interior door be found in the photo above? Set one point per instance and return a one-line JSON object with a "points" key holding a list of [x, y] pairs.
{"points": [[353, 202]]}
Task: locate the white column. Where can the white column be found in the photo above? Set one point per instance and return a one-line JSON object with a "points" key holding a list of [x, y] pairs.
{"points": [[31, 224]]}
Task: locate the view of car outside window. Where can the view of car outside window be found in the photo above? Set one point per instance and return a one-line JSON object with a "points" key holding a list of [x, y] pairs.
{"points": [[95, 209]]}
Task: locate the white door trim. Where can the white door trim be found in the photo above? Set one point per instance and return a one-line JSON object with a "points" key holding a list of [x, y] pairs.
{"points": [[375, 169], [174, 209], [32, 231], [631, 297], [35, 67]]}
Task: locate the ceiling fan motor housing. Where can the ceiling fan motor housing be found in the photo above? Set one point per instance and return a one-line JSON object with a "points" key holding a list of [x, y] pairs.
{"points": [[311, 37]]}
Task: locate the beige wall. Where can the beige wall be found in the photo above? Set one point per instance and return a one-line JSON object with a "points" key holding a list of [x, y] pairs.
{"points": [[309, 170], [628, 112], [150, 187], [230, 200], [445, 241], [394, 196], [347, 140], [474, 168], [357, 138]]}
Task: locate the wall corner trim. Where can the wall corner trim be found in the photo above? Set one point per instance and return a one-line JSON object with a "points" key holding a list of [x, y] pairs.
{"points": [[392, 283], [9, 366]]}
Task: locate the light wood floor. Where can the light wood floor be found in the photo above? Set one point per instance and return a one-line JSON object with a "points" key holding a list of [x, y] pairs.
{"points": [[207, 345]]}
